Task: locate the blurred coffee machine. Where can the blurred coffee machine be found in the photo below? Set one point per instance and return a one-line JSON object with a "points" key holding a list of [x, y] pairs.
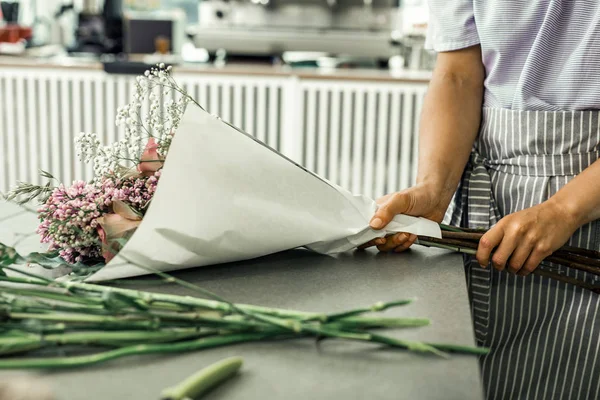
{"points": [[99, 29], [361, 28]]}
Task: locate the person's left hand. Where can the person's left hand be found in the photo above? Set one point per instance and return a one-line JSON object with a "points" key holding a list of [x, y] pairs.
{"points": [[523, 239]]}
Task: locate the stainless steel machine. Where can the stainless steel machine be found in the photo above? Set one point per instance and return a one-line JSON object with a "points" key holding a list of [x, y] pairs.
{"points": [[361, 28]]}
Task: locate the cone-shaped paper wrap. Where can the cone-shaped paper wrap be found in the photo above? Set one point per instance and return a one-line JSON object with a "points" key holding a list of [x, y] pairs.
{"points": [[223, 196]]}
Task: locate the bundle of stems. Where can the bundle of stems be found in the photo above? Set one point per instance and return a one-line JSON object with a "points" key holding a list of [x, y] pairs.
{"points": [[466, 241], [53, 324]]}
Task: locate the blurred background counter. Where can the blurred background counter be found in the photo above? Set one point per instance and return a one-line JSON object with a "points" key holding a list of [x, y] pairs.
{"points": [[336, 85]]}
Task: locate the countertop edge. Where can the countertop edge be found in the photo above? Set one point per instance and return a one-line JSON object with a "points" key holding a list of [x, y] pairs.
{"points": [[364, 75]]}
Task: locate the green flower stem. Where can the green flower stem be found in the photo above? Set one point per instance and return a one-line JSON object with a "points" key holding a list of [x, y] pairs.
{"points": [[424, 347], [85, 360], [538, 271], [450, 228], [52, 295], [567, 279], [133, 321], [374, 323], [338, 334], [418, 347], [476, 234], [191, 302], [19, 348], [378, 307], [456, 348], [200, 318], [18, 303], [582, 252], [32, 278], [132, 313], [21, 280], [35, 329], [82, 318], [354, 322], [577, 258], [298, 327], [459, 249], [114, 339], [204, 380]]}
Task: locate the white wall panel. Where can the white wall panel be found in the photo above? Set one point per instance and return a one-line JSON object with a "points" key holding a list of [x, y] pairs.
{"points": [[360, 135]]}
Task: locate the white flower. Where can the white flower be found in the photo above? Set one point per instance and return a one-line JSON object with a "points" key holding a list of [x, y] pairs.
{"points": [[160, 121]]}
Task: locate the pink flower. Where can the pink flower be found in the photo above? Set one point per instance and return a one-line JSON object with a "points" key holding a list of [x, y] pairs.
{"points": [[65, 219], [150, 161], [118, 225], [108, 255]]}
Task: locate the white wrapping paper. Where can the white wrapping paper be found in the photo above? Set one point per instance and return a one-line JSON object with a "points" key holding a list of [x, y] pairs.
{"points": [[224, 196]]}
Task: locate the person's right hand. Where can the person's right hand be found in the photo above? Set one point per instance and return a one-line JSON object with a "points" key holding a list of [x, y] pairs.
{"points": [[419, 201]]}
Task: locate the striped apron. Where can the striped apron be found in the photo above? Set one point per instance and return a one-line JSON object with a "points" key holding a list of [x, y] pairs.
{"points": [[544, 335]]}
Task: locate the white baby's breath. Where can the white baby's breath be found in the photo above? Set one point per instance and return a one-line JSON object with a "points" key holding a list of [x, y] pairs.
{"points": [[156, 88]]}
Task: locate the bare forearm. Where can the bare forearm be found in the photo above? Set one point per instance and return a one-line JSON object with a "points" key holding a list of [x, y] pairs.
{"points": [[580, 198], [450, 122]]}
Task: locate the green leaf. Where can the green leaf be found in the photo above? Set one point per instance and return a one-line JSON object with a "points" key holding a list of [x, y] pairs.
{"points": [[9, 256], [46, 174], [48, 260]]}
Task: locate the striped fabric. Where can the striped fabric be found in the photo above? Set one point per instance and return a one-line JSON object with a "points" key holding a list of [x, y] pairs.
{"points": [[538, 54], [544, 335]]}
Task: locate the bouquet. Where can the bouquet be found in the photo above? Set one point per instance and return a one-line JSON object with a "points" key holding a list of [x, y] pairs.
{"points": [[183, 188]]}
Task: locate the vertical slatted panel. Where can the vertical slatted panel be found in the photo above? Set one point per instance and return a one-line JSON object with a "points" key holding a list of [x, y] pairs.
{"points": [[88, 110], [358, 134], [334, 136], [368, 177], [21, 131], [405, 142], [311, 134], [4, 164], [382, 144], [261, 113], [347, 120], [420, 95], [67, 134], [195, 90], [110, 108], [291, 124], [238, 105], [322, 133], [55, 134], [255, 105], [99, 110], [144, 111], [394, 144], [226, 103], [32, 130], [77, 112], [376, 130], [250, 110], [204, 96], [213, 92], [44, 125], [272, 112]]}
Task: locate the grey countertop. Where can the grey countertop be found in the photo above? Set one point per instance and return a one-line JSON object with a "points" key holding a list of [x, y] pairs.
{"points": [[302, 369]]}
